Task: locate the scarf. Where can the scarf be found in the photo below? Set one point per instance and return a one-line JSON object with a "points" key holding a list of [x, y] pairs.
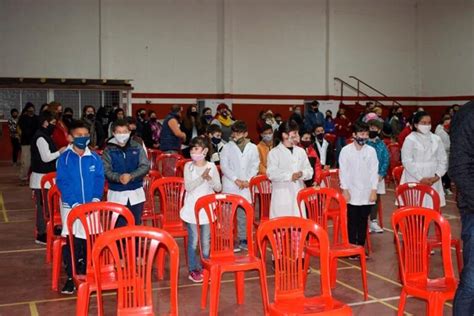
{"points": [[225, 121]]}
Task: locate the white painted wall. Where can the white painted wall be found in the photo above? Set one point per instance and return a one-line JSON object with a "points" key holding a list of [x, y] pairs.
{"points": [[403, 47], [375, 41], [53, 38], [446, 47]]}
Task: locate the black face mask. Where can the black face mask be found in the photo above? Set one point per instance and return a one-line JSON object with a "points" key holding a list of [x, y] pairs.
{"points": [[67, 117], [194, 114], [320, 136], [373, 134], [143, 115], [90, 116], [132, 133], [153, 119]]}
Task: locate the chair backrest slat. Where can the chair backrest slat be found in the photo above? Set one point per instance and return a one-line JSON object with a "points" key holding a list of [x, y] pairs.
{"points": [[171, 194]]}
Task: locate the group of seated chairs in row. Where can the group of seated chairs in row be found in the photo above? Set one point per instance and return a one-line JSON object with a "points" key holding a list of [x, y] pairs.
{"points": [[122, 258]]}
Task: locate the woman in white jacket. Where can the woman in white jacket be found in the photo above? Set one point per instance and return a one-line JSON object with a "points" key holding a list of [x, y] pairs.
{"points": [[424, 157], [287, 167]]}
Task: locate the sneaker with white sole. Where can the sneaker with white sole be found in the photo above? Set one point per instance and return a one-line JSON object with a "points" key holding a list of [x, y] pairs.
{"points": [[69, 287], [449, 192], [374, 227], [195, 276]]}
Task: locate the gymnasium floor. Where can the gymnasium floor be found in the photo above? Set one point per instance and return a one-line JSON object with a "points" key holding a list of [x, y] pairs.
{"points": [[25, 278]]}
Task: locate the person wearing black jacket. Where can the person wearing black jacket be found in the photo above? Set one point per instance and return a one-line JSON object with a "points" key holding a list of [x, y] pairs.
{"points": [[28, 125], [323, 148], [43, 160], [461, 171]]}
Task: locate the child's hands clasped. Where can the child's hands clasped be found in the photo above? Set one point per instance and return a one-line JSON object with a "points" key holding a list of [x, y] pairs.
{"points": [[205, 175]]}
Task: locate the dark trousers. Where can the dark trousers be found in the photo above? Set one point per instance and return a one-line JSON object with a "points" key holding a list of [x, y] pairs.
{"points": [[375, 208], [136, 210], [16, 148], [464, 298], [357, 216], [40, 222], [80, 254]]}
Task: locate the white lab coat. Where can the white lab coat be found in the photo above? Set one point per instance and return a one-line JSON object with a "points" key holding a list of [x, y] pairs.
{"points": [[281, 165], [444, 138], [424, 156], [238, 165], [358, 172]]}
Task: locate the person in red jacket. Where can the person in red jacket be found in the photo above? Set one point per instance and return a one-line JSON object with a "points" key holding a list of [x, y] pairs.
{"points": [[306, 142], [405, 132], [60, 133], [343, 131]]}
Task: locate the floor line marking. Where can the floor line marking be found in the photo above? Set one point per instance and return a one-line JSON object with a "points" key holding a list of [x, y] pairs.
{"points": [[33, 309], [387, 299], [4, 210], [20, 210], [17, 221], [21, 250]]}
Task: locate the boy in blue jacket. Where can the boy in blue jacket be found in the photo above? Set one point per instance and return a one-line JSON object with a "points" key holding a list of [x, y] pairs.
{"points": [[383, 156], [80, 179]]}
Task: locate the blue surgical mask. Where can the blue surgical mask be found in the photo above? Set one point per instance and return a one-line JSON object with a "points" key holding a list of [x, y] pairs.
{"points": [[81, 142]]}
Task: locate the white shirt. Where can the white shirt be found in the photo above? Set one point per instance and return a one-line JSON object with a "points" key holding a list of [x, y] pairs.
{"points": [[358, 172], [322, 149], [424, 156], [197, 187], [46, 156], [238, 165], [281, 165], [135, 197]]}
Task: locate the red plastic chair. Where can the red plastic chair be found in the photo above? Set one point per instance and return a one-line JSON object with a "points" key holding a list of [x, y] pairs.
{"points": [[99, 152], [148, 210], [166, 164], [412, 247], [289, 296], [395, 157], [96, 218], [152, 156], [414, 194], [171, 195], [132, 251], [221, 210], [54, 197], [46, 183], [397, 175], [331, 138], [261, 192], [317, 203], [180, 167]]}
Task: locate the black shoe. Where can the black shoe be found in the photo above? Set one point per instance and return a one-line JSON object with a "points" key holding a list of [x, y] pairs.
{"points": [[41, 239], [69, 287], [58, 230], [81, 266]]}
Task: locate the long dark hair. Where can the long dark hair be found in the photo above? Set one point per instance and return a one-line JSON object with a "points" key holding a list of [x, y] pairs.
{"points": [[285, 127], [187, 121]]}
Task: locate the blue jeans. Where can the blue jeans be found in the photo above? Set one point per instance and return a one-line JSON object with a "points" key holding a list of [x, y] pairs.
{"points": [[194, 261], [464, 298]]}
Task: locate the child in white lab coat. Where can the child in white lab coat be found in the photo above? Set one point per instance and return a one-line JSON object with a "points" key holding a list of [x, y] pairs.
{"points": [[358, 172], [239, 163], [287, 167], [200, 178]]}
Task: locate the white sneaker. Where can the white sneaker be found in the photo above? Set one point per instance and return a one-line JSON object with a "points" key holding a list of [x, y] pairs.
{"points": [[374, 227], [449, 192]]}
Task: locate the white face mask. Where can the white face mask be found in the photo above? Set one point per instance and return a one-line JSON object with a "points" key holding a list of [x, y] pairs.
{"points": [[424, 129], [122, 138]]}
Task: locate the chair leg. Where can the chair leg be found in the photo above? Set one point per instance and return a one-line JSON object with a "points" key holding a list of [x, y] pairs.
{"points": [[401, 304], [458, 255], [435, 306], [205, 288], [215, 291], [82, 305], [185, 241], [333, 271], [160, 263], [57, 256], [49, 242], [239, 286], [264, 290], [380, 211], [335, 229], [368, 242], [363, 271]]}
